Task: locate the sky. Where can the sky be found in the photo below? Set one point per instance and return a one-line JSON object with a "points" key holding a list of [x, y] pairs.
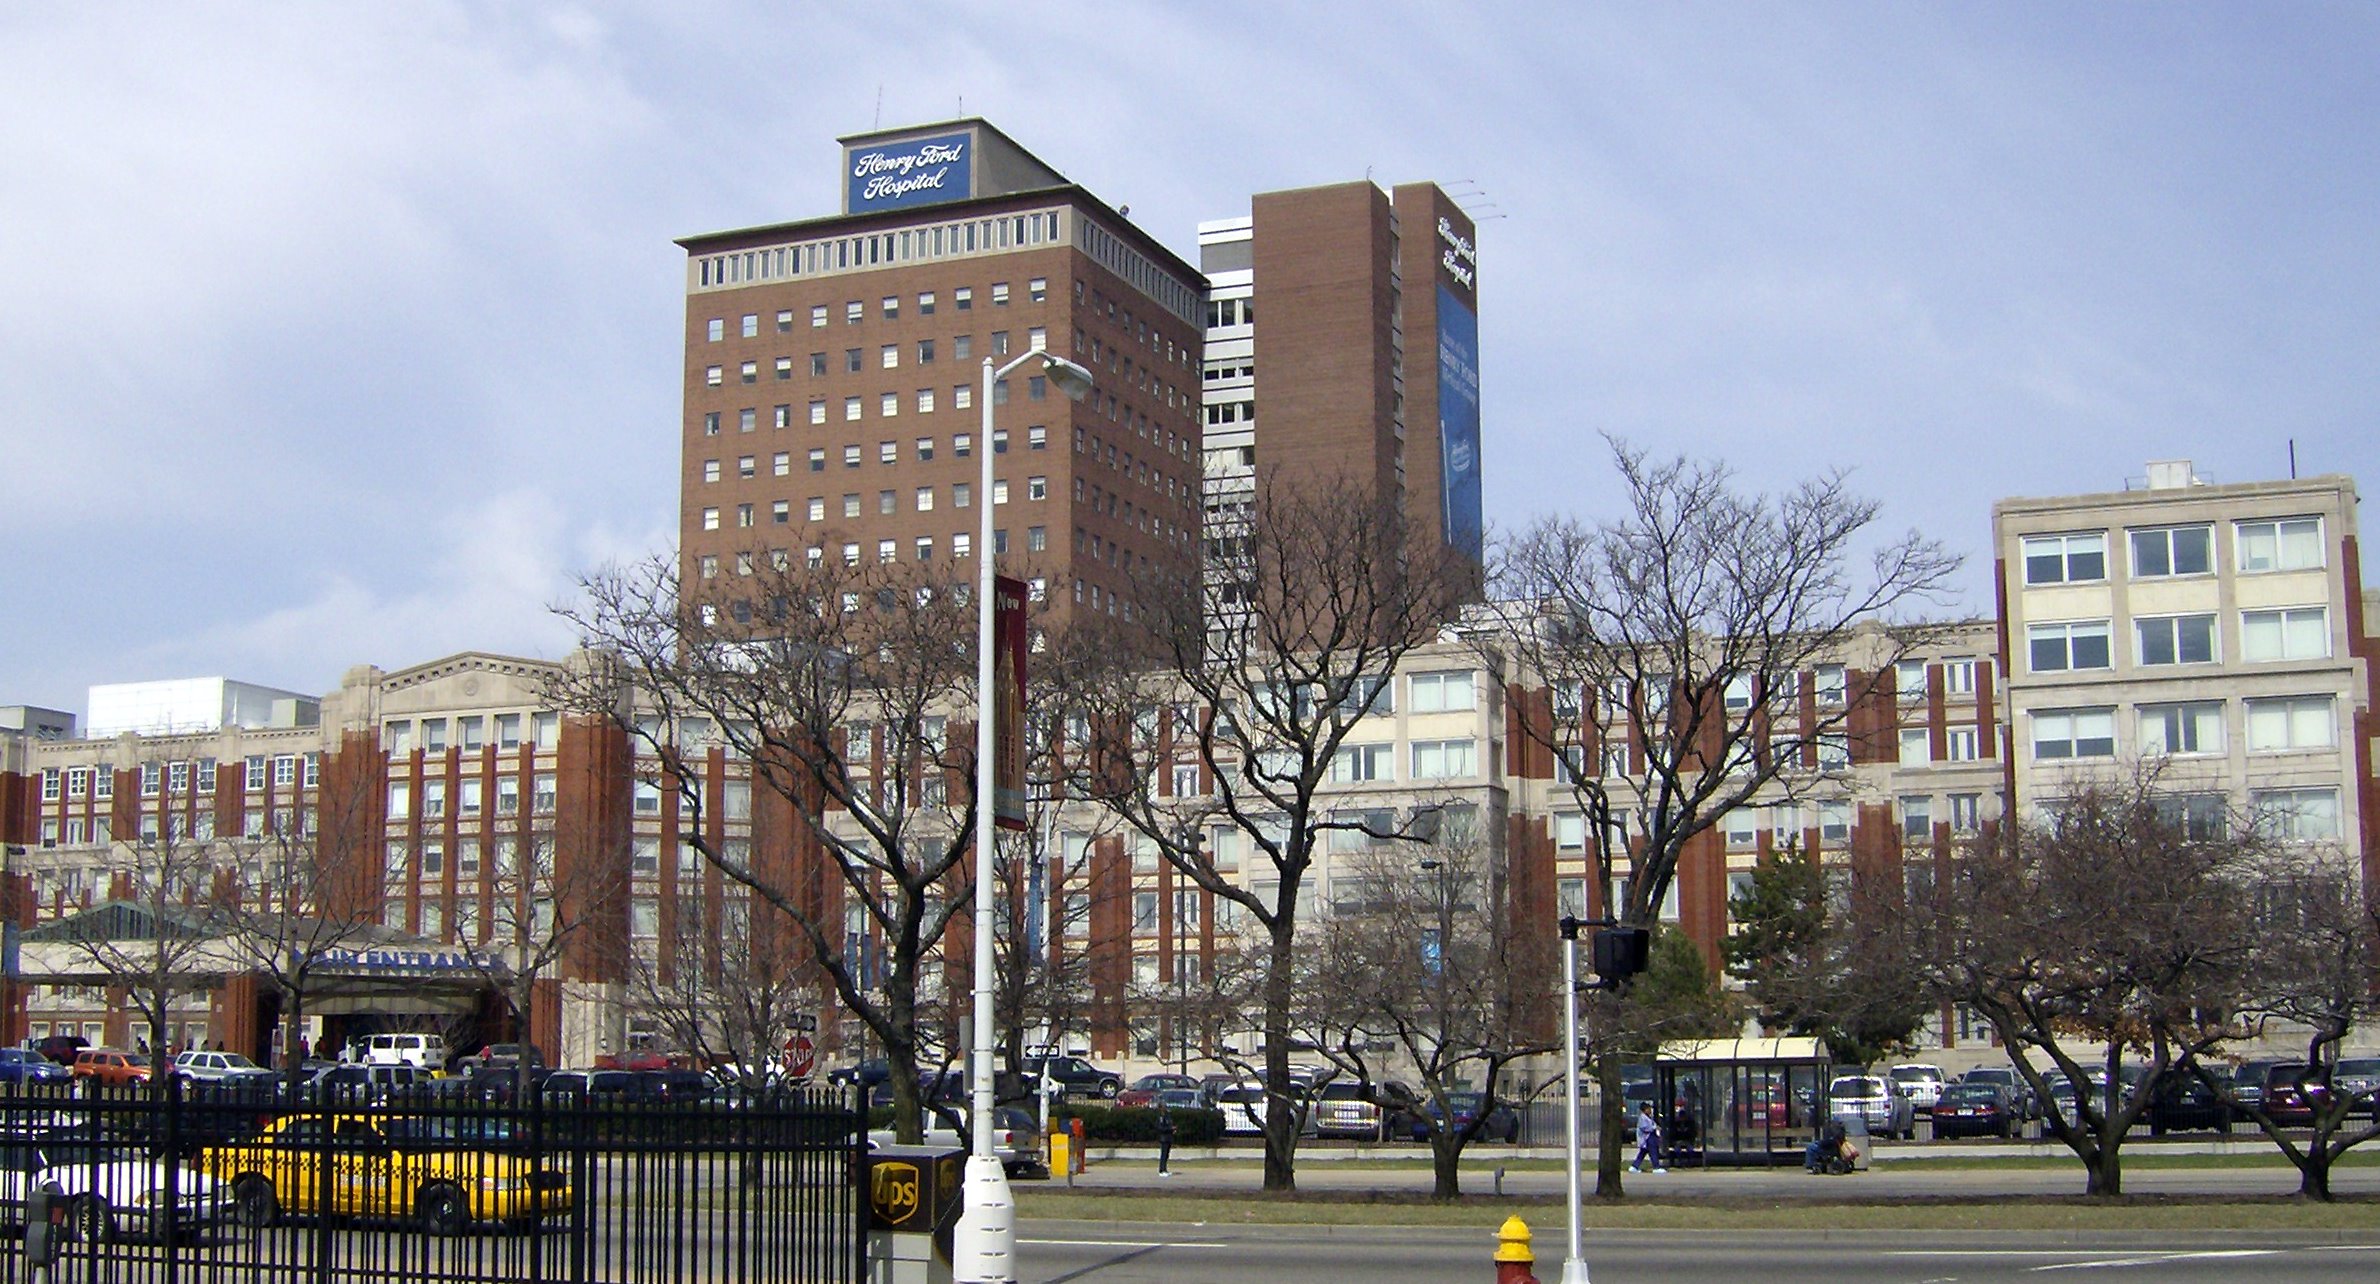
{"points": [[339, 334]]}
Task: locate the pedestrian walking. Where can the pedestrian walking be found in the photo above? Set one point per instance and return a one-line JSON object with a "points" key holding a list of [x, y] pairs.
{"points": [[1648, 1141], [1164, 1140]]}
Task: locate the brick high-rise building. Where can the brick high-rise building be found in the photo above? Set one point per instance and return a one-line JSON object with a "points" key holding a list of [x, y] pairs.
{"points": [[1365, 367], [832, 367]]}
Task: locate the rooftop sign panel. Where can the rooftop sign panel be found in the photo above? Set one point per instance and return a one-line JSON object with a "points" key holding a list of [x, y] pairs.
{"points": [[909, 172]]}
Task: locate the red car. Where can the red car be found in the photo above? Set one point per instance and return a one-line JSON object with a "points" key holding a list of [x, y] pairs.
{"points": [[1144, 1090], [2288, 1098]]}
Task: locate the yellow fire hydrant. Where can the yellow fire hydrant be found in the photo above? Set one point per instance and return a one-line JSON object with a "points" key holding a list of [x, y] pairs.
{"points": [[1513, 1257]]}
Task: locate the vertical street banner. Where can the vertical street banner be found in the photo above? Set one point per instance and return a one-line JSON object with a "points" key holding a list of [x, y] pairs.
{"points": [[1008, 703]]}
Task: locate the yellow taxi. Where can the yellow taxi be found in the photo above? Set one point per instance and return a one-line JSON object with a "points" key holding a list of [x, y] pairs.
{"points": [[442, 1174]]}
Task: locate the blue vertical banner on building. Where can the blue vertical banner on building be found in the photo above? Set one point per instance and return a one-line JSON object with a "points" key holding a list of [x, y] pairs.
{"points": [[914, 171], [1458, 423]]}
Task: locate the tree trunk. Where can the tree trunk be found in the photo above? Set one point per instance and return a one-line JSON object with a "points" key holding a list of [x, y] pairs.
{"points": [[1612, 1114], [2313, 1181], [2106, 1174], [1446, 1162], [1280, 1118]]}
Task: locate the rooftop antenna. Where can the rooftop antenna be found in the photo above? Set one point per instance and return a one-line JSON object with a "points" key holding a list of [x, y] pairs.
{"points": [[2293, 459], [879, 124]]}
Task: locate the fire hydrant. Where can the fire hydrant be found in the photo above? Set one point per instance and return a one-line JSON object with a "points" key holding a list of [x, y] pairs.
{"points": [[1513, 1258]]}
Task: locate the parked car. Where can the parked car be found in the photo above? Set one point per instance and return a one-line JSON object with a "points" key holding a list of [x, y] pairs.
{"points": [[866, 1074], [111, 1066], [1501, 1123], [425, 1051], [1144, 1090], [1342, 1109], [1923, 1083], [2020, 1092], [1244, 1106], [2185, 1104], [2289, 1100], [1878, 1100], [61, 1047], [2247, 1080], [218, 1067], [109, 1192], [1016, 1138], [1078, 1077], [443, 1188], [26, 1065], [1976, 1109], [352, 1084], [1184, 1099], [2359, 1076]]}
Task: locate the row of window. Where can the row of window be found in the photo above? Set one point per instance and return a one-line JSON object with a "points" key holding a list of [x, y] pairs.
{"points": [[470, 795], [2276, 724], [2265, 636], [473, 731], [99, 783], [962, 495], [881, 249], [2167, 552], [855, 311], [197, 827]]}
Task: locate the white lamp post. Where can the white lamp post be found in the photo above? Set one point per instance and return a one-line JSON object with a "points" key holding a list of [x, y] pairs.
{"points": [[983, 1245]]}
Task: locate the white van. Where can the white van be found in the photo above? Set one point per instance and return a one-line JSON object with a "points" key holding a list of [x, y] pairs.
{"points": [[427, 1051]]}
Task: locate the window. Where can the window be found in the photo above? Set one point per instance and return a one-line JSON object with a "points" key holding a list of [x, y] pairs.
{"points": [[887, 551], [711, 376], [963, 298], [962, 494], [2294, 544], [1037, 539], [890, 356], [508, 795], [1570, 832], [851, 361], [1037, 437], [1441, 692], [1834, 751], [746, 466], [1444, 759], [433, 798], [999, 441], [2193, 727], [1356, 763], [1834, 821], [548, 729], [2055, 647], [2291, 722], [751, 325], [887, 502], [2201, 817], [749, 372], [962, 396], [999, 343], [817, 459], [999, 294], [785, 321], [716, 330], [2300, 633], [817, 316], [2176, 639], [925, 303], [2065, 559], [1038, 288], [962, 544], [925, 548], [1966, 813], [1917, 746], [1742, 828], [647, 798], [854, 312], [2172, 550], [1000, 491], [925, 499], [541, 794], [784, 370], [1832, 684], [1037, 388], [781, 512], [1908, 681], [892, 307], [781, 463], [851, 452], [743, 516], [1917, 816], [817, 416], [2296, 815], [1963, 743], [2075, 733], [1037, 488], [467, 797]]}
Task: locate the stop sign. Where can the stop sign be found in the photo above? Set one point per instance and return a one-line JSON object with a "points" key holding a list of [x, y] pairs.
{"points": [[800, 1056]]}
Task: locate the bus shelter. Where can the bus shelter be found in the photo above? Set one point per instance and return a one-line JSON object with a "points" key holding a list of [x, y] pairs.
{"points": [[1741, 1102]]}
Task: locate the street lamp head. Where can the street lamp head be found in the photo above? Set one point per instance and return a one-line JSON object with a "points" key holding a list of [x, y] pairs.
{"points": [[1073, 380]]}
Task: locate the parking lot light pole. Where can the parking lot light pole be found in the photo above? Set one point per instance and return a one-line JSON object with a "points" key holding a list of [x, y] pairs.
{"points": [[1574, 1264], [983, 1245]]}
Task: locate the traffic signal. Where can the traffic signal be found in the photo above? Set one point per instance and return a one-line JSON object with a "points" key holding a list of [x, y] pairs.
{"points": [[1621, 953]]}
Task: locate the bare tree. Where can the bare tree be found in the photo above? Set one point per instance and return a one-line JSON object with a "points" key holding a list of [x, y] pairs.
{"points": [[727, 986], [554, 906], [2315, 950], [1676, 639], [1414, 964], [1254, 684], [2115, 924], [162, 931], [843, 687], [307, 890]]}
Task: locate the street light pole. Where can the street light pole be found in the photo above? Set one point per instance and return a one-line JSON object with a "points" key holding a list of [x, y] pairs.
{"points": [[1574, 1263], [983, 1245]]}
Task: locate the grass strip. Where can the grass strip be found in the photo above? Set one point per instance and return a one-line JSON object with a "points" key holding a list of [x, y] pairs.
{"points": [[2036, 1213]]}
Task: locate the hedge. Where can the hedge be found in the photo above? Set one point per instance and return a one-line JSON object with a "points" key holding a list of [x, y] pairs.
{"points": [[1139, 1124]]}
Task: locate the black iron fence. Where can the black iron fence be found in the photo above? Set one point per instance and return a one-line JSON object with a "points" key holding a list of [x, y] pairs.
{"points": [[208, 1184]]}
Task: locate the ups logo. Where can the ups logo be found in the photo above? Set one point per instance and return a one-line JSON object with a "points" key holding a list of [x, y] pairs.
{"points": [[893, 1191]]}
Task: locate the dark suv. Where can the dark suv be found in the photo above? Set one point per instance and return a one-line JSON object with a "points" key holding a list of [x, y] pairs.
{"points": [[1079, 1077]]}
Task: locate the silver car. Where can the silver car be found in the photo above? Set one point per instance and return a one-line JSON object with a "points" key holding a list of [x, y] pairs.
{"points": [[1878, 1100], [1922, 1082]]}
